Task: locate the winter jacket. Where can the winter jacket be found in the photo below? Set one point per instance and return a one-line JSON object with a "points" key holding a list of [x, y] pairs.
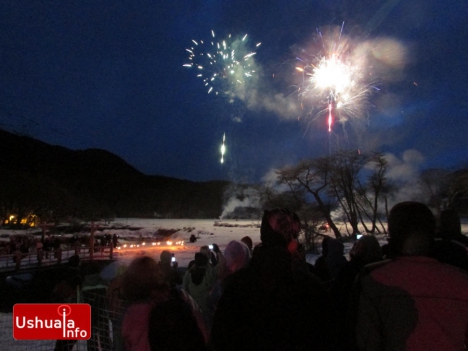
{"points": [[135, 324], [237, 256], [335, 259], [171, 275], [271, 306], [412, 303], [332, 260], [200, 292]]}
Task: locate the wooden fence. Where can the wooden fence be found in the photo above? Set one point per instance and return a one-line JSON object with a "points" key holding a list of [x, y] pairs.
{"points": [[19, 261]]}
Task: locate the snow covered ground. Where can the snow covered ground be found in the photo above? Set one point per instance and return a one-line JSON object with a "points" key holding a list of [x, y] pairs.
{"points": [[134, 231], [207, 232], [138, 231]]}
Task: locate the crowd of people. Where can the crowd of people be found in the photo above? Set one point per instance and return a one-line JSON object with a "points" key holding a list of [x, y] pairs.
{"points": [[410, 294]]}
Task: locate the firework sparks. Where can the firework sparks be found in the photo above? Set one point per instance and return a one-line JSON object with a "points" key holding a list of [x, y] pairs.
{"points": [[336, 77], [223, 148], [222, 64]]}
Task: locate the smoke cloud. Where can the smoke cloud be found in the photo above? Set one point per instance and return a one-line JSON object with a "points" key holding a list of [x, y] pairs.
{"points": [[404, 174], [241, 201]]}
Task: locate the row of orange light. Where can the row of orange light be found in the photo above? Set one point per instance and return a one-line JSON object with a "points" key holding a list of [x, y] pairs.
{"points": [[168, 243]]}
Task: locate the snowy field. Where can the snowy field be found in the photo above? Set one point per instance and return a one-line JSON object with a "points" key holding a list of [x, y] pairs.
{"points": [[207, 232], [140, 232], [136, 231]]}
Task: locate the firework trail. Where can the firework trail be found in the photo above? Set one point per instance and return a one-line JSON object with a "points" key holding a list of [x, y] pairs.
{"points": [[223, 148], [337, 77], [222, 65]]}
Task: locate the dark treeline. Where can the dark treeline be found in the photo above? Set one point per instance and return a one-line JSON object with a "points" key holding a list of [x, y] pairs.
{"points": [[57, 183]]}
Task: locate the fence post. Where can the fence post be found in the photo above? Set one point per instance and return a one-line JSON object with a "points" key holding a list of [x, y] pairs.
{"points": [[91, 241], [40, 255], [17, 255], [59, 255]]}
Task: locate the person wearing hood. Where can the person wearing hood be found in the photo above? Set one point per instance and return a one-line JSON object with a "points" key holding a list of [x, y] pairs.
{"points": [[332, 260], [274, 304], [198, 281], [153, 307], [237, 256], [320, 266], [247, 240], [335, 259]]}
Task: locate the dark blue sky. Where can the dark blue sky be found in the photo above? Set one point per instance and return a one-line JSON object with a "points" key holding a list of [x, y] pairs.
{"points": [[108, 74]]}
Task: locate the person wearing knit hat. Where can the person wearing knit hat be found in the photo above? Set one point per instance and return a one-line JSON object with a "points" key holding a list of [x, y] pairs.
{"points": [[237, 256]]}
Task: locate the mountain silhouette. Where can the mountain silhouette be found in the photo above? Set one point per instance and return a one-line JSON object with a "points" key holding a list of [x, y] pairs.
{"points": [[54, 181]]}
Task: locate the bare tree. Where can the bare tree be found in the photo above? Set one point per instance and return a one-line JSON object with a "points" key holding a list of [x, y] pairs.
{"points": [[434, 184], [312, 219], [370, 193], [457, 196], [311, 176], [345, 167], [293, 199]]}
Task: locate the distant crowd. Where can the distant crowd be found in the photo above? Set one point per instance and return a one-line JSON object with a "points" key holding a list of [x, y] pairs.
{"points": [[20, 246], [410, 294]]}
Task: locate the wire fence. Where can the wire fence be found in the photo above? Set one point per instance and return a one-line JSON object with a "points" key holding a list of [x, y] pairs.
{"points": [[106, 317]]}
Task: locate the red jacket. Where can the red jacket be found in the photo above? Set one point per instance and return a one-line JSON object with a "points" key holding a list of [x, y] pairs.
{"points": [[413, 303]]}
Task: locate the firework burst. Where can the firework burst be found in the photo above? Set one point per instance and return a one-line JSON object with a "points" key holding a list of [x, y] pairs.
{"points": [[336, 78], [222, 65]]}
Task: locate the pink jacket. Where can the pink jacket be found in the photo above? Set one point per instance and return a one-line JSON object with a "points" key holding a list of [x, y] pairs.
{"points": [[135, 327], [136, 321]]}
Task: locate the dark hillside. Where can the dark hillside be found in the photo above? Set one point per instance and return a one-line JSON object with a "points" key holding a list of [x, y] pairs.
{"points": [[56, 182]]}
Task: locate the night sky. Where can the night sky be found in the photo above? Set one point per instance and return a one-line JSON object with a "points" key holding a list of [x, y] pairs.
{"points": [[109, 74]]}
